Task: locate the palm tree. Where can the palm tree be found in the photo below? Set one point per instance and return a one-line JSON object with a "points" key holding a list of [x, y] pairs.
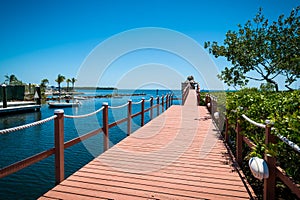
{"points": [[44, 84], [12, 80], [68, 81], [6, 79], [73, 80], [59, 80]]}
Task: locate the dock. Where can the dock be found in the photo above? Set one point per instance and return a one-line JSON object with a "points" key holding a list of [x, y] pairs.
{"points": [[17, 107], [177, 155]]}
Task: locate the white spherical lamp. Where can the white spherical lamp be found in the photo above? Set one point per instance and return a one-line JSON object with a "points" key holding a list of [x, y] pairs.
{"points": [[259, 168], [216, 115]]}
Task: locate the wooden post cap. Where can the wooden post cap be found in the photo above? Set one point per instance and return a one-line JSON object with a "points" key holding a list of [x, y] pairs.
{"points": [[58, 111]]}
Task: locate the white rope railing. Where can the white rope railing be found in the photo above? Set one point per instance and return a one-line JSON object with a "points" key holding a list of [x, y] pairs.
{"points": [[253, 122], [281, 137], [288, 142], [116, 107], [148, 100], [18, 128], [86, 115], [137, 102]]}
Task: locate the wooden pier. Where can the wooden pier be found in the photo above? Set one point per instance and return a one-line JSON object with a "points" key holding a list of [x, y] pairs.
{"points": [[17, 107], [177, 155]]}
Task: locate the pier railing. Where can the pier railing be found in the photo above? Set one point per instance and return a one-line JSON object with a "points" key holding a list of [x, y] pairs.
{"points": [[275, 171], [217, 111], [185, 91], [158, 105]]}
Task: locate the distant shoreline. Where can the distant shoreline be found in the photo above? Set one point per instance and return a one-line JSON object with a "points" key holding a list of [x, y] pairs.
{"points": [[95, 88], [55, 97]]}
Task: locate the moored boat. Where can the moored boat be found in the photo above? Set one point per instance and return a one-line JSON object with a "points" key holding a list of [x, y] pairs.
{"points": [[63, 104], [80, 98]]}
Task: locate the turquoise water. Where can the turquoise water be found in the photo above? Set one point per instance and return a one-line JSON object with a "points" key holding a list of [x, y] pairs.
{"points": [[35, 180]]}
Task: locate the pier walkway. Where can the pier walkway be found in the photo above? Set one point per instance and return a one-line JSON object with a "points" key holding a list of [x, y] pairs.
{"points": [[177, 155]]}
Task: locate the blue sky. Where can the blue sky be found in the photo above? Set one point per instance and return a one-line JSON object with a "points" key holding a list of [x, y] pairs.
{"points": [[43, 38]]}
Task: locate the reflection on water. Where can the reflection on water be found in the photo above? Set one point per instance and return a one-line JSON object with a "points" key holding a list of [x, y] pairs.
{"points": [[13, 120], [37, 179]]}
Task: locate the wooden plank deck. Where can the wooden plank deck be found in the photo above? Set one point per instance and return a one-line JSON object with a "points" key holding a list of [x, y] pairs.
{"points": [[178, 155]]}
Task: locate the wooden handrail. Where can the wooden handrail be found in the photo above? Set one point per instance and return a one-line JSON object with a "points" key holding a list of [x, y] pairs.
{"points": [[185, 92], [288, 181], [274, 171], [60, 145], [25, 163]]}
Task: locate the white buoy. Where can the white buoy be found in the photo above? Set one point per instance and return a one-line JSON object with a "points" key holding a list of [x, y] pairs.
{"points": [[259, 168]]}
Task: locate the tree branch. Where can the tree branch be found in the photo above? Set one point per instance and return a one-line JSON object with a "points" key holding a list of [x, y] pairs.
{"points": [[288, 87], [258, 70], [256, 79], [277, 74]]}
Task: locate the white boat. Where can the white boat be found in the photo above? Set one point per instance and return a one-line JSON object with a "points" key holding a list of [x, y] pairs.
{"points": [[80, 98], [63, 104]]}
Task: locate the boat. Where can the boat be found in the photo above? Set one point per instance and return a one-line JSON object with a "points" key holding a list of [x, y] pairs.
{"points": [[80, 98], [63, 104]]}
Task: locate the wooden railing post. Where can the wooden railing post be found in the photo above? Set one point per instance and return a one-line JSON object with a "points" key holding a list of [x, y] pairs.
{"points": [[167, 101], [270, 183], [59, 146], [151, 108], [208, 100], [143, 112], [226, 130], [215, 104], [212, 104], [105, 127], [162, 103], [129, 112], [4, 96], [157, 102], [198, 98], [239, 144]]}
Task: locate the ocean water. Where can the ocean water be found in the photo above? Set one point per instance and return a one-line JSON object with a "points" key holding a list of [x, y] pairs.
{"points": [[35, 180]]}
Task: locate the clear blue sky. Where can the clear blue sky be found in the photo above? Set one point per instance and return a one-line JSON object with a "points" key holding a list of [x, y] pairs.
{"points": [[43, 38]]}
